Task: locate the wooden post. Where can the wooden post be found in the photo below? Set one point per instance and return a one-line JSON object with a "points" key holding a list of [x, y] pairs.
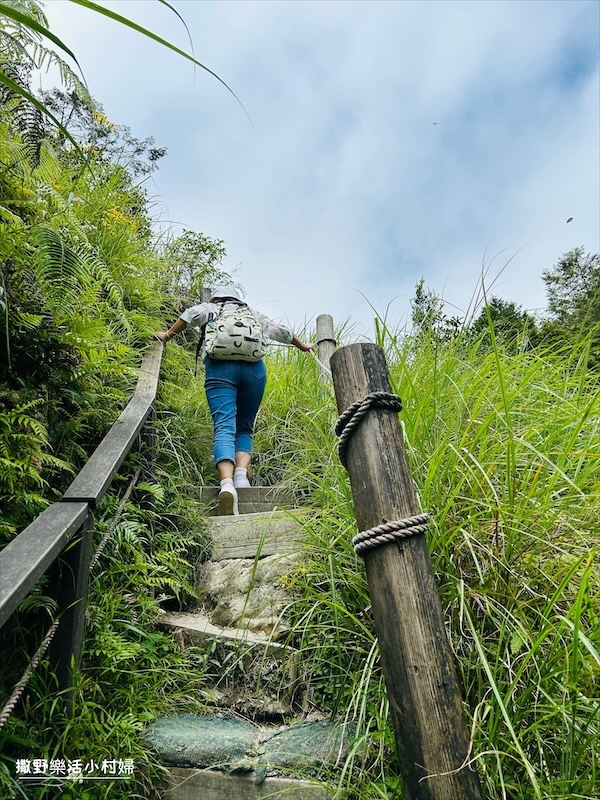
{"points": [[69, 581], [326, 343], [431, 733], [148, 447]]}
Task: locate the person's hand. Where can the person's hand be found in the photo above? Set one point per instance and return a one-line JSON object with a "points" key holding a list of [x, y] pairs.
{"points": [[306, 346], [162, 336]]}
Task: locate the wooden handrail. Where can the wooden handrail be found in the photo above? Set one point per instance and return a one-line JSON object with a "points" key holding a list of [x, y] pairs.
{"points": [[95, 477], [24, 560], [40, 547]]}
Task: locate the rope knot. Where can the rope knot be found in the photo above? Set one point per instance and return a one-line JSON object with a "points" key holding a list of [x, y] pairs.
{"points": [[353, 416], [390, 531]]}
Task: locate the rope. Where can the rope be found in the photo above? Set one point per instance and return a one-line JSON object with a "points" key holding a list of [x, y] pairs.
{"points": [[325, 369], [344, 428], [114, 521], [353, 416], [390, 531], [20, 687]]}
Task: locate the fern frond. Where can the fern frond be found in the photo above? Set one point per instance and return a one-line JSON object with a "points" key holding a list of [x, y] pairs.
{"points": [[37, 401], [36, 601], [155, 489], [131, 532], [14, 471], [54, 462], [72, 274], [28, 499], [25, 118], [8, 216], [27, 8], [47, 58], [58, 262], [28, 321], [12, 152], [50, 171], [30, 124]]}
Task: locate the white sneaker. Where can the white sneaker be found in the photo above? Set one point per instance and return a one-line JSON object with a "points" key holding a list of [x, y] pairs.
{"points": [[240, 478], [228, 502]]}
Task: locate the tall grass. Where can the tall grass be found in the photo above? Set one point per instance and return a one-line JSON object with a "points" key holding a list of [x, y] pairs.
{"points": [[505, 453]]}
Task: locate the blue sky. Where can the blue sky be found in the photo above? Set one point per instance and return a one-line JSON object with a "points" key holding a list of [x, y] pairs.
{"points": [[343, 192]]}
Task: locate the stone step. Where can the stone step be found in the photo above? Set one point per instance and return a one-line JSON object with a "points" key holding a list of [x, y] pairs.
{"points": [[247, 593], [206, 784], [224, 743], [198, 627], [255, 535], [259, 677], [253, 500]]}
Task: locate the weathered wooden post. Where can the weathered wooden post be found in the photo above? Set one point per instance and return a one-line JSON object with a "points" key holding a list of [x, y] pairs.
{"points": [[326, 343], [148, 448], [431, 733], [68, 582]]}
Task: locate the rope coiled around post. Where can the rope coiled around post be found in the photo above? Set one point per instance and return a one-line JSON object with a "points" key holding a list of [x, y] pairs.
{"points": [[390, 531], [353, 416], [344, 428]]}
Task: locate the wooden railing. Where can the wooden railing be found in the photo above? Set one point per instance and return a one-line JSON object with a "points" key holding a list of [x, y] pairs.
{"points": [[58, 542]]}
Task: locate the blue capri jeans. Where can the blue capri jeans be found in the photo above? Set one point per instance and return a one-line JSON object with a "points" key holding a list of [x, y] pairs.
{"points": [[234, 390]]}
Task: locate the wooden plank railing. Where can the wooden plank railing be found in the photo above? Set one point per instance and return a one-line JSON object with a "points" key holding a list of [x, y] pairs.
{"points": [[58, 542]]}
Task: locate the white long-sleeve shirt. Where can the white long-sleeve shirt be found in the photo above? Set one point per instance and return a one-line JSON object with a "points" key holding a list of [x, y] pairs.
{"points": [[197, 316]]}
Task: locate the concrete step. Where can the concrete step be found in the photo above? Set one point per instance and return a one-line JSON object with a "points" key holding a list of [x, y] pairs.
{"points": [[206, 784], [253, 500], [259, 676], [198, 627], [255, 535]]}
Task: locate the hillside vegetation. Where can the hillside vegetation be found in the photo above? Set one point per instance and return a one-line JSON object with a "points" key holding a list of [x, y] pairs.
{"points": [[501, 419]]}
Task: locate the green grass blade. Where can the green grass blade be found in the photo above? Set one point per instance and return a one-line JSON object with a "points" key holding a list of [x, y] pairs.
{"points": [[145, 32], [498, 695]]}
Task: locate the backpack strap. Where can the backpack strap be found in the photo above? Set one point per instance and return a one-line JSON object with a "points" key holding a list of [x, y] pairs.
{"points": [[199, 347]]}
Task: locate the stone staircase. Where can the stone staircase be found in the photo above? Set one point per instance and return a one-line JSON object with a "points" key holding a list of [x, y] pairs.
{"points": [[243, 750]]}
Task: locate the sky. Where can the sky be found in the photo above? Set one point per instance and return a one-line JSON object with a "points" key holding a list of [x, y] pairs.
{"points": [[388, 141]]}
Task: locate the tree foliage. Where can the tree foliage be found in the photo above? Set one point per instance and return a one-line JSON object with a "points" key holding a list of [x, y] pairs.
{"points": [[513, 327], [573, 290], [194, 260], [93, 131], [427, 314], [573, 312]]}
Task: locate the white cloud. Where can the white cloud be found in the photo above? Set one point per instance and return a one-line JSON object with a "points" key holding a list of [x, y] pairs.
{"points": [[344, 185]]}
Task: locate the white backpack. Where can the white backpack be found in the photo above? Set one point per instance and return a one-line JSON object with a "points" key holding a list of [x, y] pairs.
{"points": [[234, 334]]}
